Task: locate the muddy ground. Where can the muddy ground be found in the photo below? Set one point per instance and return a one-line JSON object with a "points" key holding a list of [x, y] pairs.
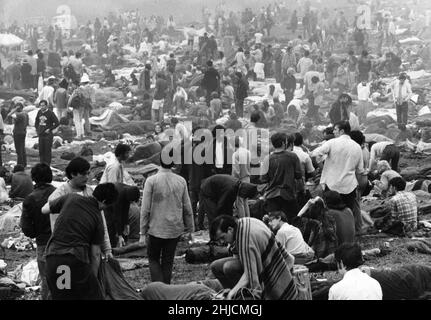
{"points": [[184, 272]]}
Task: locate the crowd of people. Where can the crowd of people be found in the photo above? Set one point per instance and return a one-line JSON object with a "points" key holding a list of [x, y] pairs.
{"points": [[285, 224]]}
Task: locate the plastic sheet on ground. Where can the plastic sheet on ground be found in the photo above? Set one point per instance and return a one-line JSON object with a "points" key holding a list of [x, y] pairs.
{"points": [[108, 120], [411, 41], [30, 273], [9, 222], [383, 112], [424, 110], [423, 147]]}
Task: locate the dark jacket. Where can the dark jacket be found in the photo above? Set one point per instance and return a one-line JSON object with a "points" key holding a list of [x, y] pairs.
{"points": [[45, 121], [223, 190], [145, 80], [117, 215], [34, 224], [21, 185], [211, 80], [241, 91], [288, 83]]}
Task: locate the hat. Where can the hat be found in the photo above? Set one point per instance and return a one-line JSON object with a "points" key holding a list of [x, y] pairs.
{"points": [[85, 78], [51, 78]]}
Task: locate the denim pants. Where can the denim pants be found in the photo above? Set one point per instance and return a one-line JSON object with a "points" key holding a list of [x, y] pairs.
{"points": [[239, 107], [45, 148], [228, 271], [352, 201], [402, 112], [19, 141], [41, 265], [161, 254]]}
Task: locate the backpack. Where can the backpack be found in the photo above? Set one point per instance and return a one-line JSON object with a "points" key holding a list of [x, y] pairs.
{"points": [[77, 101]]}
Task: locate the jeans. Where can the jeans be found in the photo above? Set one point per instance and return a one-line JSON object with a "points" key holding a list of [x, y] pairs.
{"points": [[228, 271], [45, 148], [41, 265], [391, 154], [402, 112], [86, 116], [157, 115], [239, 107], [19, 141], [84, 284], [77, 120], [161, 254], [207, 207]]}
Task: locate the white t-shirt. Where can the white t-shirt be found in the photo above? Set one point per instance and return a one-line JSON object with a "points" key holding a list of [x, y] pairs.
{"points": [[364, 92], [258, 37], [356, 285], [291, 239]]}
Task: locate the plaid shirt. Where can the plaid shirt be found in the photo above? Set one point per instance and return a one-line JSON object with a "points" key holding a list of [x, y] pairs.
{"points": [[404, 208]]}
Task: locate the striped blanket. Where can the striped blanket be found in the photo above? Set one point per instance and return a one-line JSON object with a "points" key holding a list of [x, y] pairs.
{"points": [[265, 261]]}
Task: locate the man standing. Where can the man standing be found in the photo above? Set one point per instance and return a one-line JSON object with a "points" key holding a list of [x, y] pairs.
{"points": [[46, 121], [241, 92], [211, 81], [34, 224], [280, 170], [402, 91], [75, 243], [288, 84], [344, 160], [160, 93], [33, 63], [115, 172], [166, 214], [47, 92], [241, 170], [20, 119]]}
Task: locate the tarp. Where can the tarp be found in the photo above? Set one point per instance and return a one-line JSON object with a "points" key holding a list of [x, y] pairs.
{"points": [[108, 120], [113, 283], [10, 40]]}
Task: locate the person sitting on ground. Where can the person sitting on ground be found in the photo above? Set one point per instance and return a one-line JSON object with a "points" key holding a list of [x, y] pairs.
{"points": [[290, 237], [344, 221], [233, 123], [386, 175], [269, 113], [318, 227], [21, 184], [65, 131], [356, 285], [264, 264], [215, 106], [404, 208]]}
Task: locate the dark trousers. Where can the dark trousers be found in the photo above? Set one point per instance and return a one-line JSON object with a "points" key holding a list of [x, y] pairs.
{"points": [[402, 112], [239, 107], [352, 201], [289, 207], [45, 148], [58, 45], [19, 141], [391, 154], [84, 284], [161, 254]]}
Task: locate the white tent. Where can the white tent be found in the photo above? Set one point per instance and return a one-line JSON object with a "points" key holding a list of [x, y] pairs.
{"points": [[10, 40]]}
